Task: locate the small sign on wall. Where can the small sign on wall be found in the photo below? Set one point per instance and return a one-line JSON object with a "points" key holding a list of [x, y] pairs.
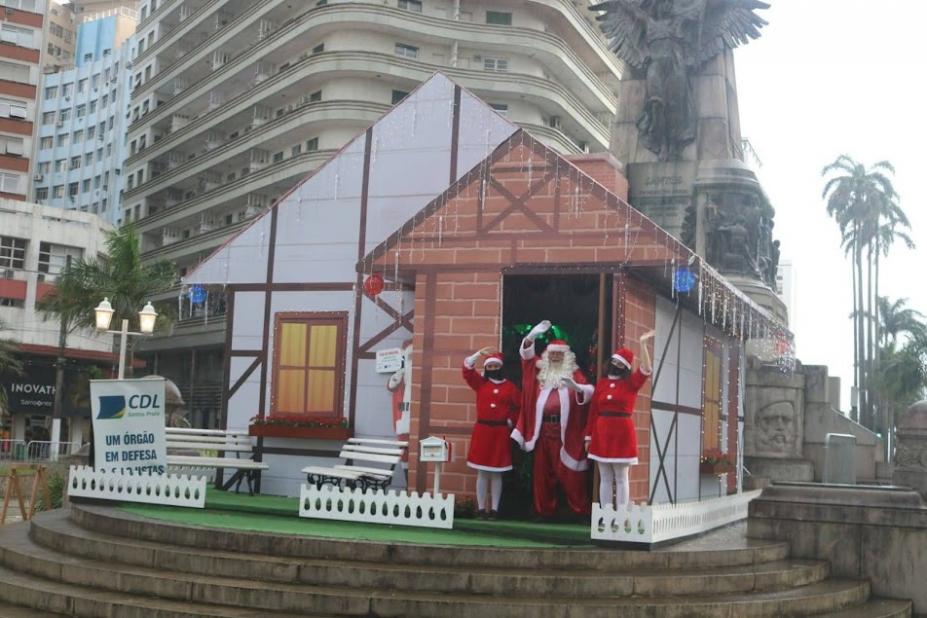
{"points": [[128, 426], [389, 360]]}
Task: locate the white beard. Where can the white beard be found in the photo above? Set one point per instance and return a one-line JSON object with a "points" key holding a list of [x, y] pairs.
{"points": [[550, 376]]}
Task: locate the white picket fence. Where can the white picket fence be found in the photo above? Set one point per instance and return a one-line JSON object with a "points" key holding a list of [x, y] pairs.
{"points": [[648, 524], [376, 506], [172, 489]]}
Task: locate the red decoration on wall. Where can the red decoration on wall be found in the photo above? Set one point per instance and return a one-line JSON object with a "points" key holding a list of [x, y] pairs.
{"points": [[373, 285]]}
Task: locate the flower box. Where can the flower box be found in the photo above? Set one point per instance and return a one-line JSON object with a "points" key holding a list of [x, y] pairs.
{"points": [[317, 433], [713, 468]]}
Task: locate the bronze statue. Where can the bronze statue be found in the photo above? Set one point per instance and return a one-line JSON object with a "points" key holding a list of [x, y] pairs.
{"points": [[665, 42]]}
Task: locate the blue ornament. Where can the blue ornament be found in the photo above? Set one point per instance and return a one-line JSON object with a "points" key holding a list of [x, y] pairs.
{"points": [[684, 280], [197, 295]]}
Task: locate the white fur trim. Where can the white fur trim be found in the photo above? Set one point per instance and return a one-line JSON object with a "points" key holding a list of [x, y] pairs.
{"points": [[647, 372], [572, 464], [622, 360], [488, 468], [492, 361], [554, 347], [519, 439], [624, 460], [526, 353], [586, 390]]}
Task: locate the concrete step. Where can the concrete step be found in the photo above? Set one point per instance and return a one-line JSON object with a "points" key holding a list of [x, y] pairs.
{"points": [[44, 598], [703, 553], [875, 608], [130, 584], [15, 611], [56, 532]]}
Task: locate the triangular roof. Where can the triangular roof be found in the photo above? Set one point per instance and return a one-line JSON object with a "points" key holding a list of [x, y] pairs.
{"points": [[410, 155]]}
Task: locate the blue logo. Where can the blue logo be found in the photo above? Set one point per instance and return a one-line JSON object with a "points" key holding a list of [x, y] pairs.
{"points": [[112, 406], [684, 280], [197, 295]]}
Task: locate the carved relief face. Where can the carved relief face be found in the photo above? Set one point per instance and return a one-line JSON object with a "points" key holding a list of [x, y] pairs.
{"points": [[775, 427]]}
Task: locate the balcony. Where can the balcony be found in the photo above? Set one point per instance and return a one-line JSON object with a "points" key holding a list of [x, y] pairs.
{"points": [[555, 51]]}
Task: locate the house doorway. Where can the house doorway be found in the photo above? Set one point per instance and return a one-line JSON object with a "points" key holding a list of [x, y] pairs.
{"points": [[571, 302]]}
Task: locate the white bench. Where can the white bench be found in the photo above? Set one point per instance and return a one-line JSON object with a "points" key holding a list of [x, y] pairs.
{"points": [[238, 442], [361, 451]]}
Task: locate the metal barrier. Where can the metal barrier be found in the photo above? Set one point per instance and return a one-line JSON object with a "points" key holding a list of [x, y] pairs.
{"points": [[35, 451]]}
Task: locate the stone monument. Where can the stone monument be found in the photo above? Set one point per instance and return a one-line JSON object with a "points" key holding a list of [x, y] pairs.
{"points": [[678, 132], [911, 449]]}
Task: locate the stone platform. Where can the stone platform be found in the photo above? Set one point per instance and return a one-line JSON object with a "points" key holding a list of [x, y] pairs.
{"points": [[104, 561]]}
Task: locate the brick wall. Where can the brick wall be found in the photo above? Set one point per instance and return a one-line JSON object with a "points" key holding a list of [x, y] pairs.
{"points": [[528, 209]]}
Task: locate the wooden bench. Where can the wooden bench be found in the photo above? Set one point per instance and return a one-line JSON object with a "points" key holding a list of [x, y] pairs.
{"points": [[357, 471], [238, 442]]}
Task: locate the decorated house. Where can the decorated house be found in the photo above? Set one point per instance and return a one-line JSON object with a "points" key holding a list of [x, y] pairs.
{"points": [[443, 229]]}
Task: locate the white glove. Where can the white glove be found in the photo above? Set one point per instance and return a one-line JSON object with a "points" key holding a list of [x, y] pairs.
{"points": [[571, 384], [540, 329], [470, 361]]}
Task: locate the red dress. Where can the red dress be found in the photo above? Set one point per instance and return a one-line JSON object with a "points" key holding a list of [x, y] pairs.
{"points": [[497, 407], [611, 421]]}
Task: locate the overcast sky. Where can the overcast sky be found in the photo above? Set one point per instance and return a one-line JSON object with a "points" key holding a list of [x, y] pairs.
{"points": [[833, 77]]}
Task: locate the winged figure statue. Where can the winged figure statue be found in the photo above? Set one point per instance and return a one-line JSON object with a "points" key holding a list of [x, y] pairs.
{"points": [[666, 42]]}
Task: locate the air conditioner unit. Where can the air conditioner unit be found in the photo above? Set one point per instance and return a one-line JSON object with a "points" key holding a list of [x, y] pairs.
{"points": [[14, 149], [38, 177], [18, 112]]}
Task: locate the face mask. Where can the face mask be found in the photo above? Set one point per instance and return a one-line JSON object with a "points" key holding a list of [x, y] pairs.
{"points": [[617, 371], [493, 374]]}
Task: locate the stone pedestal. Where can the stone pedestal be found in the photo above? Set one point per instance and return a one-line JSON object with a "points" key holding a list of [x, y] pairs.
{"points": [[864, 532], [911, 449]]}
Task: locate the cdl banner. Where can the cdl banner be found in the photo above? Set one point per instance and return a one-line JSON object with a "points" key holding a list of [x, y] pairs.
{"points": [[128, 425]]}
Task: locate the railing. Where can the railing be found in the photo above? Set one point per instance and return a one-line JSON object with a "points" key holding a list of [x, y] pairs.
{"points": [[35, 451]]}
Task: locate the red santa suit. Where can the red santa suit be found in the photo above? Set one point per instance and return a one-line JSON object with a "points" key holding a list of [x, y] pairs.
{"points": [[610, 428], [497, 406], [551, 424]]}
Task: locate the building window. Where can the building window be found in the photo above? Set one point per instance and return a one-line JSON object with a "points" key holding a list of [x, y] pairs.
{"points": [[73, 189], [67, 89], [411, 5], [12, 252], [399, 95], [63, 139], [501, 108], [46, 142], [498, 18], [48, 118], [51, 92], [9, 183], [11, 145], [75, 163], [16, 36], [496, 64], [54, 258], [309, 355], [318, 49], [96, 182], [88, 158], [64, 115], [13, 72], [91, 132], [41, 194], [295, 150], [58, 191], [44, 167], [315, 96], [407, 51], [85, 185], [82, 86], [278, 157], [81, 110], [312, 145], [93, 106], [59, 165], [78, 137]]}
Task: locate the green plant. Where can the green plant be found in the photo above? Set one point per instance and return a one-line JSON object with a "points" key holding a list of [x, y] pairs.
{"points": [[286, 421], [715, 458], [56, 482]]}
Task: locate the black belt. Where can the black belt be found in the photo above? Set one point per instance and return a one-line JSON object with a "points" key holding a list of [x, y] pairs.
{"points": [[493, 423], [616, 414], [553, 418]]}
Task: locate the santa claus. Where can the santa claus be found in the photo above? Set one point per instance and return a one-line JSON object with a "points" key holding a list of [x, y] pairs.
{"points": [[551, 423], [610, 432], [497, 404]]}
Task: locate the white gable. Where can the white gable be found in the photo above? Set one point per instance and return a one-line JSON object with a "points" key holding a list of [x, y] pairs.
{"points": [[319, 221]]}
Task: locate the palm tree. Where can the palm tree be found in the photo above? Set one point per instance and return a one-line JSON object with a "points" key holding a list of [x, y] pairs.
{"points": [[9, 365], [864, 203], [896, 319], [119, 276]]}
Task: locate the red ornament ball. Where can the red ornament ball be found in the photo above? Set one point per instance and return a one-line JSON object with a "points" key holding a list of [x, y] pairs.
{"points": [[373, 285]]}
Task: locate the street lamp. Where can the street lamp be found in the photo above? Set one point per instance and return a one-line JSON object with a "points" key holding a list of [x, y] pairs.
{"points": [[146, 319]]}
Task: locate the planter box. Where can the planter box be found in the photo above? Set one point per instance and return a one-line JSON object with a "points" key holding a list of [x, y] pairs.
{"points": [[716, 469], [318, 433]]}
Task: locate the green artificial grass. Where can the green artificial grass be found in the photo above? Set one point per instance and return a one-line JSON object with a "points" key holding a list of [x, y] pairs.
{"points": [[278, 515]]}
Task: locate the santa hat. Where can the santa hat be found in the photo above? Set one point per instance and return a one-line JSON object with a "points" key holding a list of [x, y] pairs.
{"points": [[493, 359], [624, 356], [558, 345]]}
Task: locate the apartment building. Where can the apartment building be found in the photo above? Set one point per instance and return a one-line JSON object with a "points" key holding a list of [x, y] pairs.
{"points": [[59, 37], [36, 243], [21, 32], [82, 120], [234, 101]]}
